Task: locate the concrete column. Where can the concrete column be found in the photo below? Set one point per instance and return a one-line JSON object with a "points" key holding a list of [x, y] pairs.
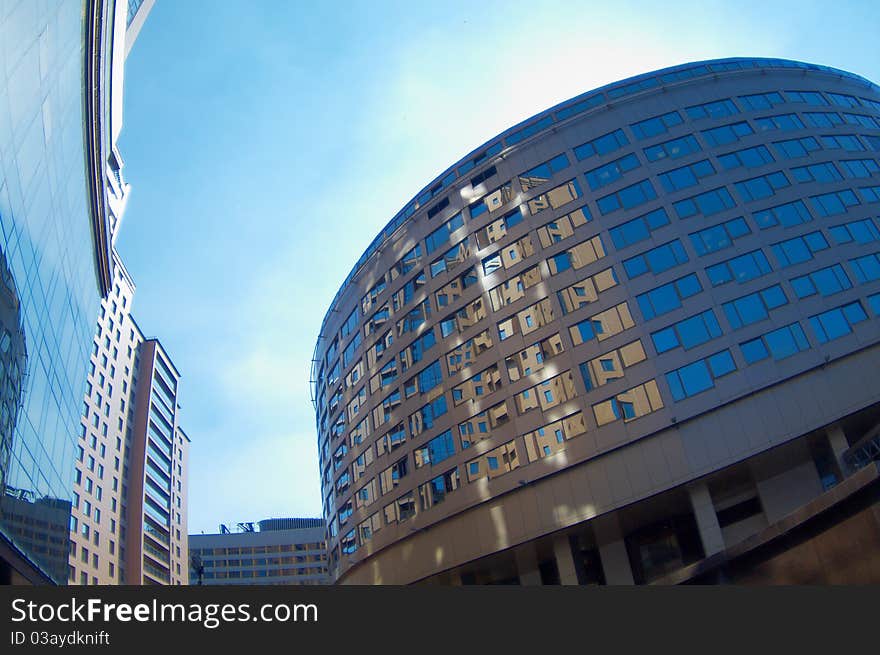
{"points": [[787, 491], [527, 565], [707, 519], [612, 551], [839, 445], [564, 560]]}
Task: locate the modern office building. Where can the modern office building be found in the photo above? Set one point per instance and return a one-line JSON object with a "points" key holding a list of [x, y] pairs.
{"points": [[61, 70], [156, 535], [288, 551], [128, 523], [629, 335], [128, 520]]}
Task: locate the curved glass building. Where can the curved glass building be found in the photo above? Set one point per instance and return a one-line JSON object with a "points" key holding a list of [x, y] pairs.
{"points": [[621, 337]]}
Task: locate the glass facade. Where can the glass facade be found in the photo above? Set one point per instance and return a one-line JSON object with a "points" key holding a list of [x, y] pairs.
{"points": [[676, 263], [48, 251]]}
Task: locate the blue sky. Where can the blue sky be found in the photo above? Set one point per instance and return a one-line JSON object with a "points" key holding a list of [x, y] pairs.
{"points": [[268, 142]]}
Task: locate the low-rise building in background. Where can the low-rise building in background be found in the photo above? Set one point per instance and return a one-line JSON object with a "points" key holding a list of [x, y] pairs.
{"points": [[287, 551]]}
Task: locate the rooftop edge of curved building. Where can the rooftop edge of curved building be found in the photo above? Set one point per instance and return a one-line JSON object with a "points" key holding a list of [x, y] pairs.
{"points": [[602, 96]]}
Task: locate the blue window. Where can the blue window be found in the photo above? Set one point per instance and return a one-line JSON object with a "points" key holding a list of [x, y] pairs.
{"points": [[588, 328], [848, 142], [716, 109], [824, 172], [478, 159], [872, 141], [580, 107], [860, 168], [543, 172], [430, 377], [719, 237], [859, 119], [513, 217], [418, 349], [763, 186], [837, 322], [822, 118], [843, 100], [741, 269], [699, 376], [761, 100], [350, 323], [427, 415], [754, 351], [440, 236], [746, 158], [350, 349], [560, 262], [686, 176], [793, 148], [754, 307], [440, 448], [807, 97], [668, 297], [874, 303], [837, 202], [657, 125], [862, 231], [656, 260], [799, 249], [638, 229], [870, 193], [602, 145], [611, 172], [780, 344], [787, 215], [687, 334], [633, 87], [627, 198], [529, 130], [867, 268], [719, 136], [779, 122], [450, 258], [673, 149], [707, 204], [825, 281]]}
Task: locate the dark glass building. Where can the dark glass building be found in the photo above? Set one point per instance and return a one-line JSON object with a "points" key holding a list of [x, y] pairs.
{"points": [[626, 335]]}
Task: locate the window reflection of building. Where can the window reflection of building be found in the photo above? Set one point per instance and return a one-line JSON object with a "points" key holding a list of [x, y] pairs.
{"points": [[13, 367], [39, 526]]}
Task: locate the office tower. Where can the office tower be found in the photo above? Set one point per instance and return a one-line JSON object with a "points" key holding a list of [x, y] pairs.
{"points": [[619, 341], [156, 539], [284, 551], [128, 523], [61, 69]]}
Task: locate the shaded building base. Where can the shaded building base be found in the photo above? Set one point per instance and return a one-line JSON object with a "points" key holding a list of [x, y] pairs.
{"points": [[834, 539], [805, 512]]}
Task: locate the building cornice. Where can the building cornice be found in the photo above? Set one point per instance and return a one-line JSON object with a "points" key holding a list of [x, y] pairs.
{"points": [[95, 23]]}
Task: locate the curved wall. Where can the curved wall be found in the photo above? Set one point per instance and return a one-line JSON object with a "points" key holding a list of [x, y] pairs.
{"points": [[665, 251], [49, 249]]}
